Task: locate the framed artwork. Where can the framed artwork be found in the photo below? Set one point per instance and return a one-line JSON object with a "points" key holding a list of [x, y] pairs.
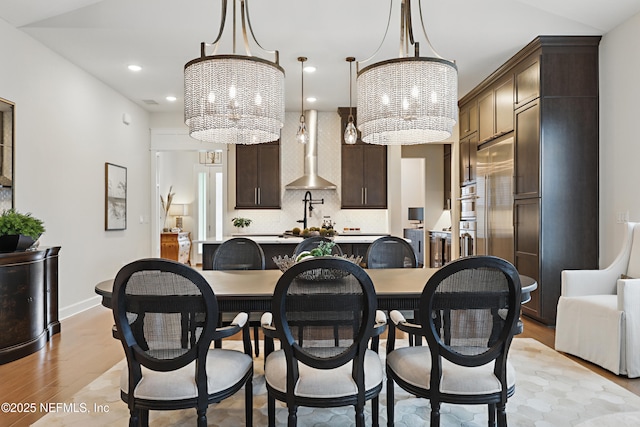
{"points": [[210, 158], [115, 200]]}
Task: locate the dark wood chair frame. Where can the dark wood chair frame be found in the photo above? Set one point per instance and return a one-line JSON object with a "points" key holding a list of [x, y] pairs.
{"points": [[294, 353], [136, 358], [500, 343], [262, 263], [391, 239]]}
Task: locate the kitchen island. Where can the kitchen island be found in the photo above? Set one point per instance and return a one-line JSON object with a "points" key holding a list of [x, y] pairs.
{"points": [[279, 245]]}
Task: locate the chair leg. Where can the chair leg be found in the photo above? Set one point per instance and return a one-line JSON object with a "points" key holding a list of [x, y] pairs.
{"points": [[435, 414], [271, 410], [134, 418], [293, 416], [502, 414], [359, 415], [375, 411], [144, 417], [202, 417], [390, 400], [492, 415], [248, 402]]}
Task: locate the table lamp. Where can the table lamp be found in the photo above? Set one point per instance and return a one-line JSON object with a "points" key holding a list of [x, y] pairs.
{"points": [[416, 214], [179, 210]]}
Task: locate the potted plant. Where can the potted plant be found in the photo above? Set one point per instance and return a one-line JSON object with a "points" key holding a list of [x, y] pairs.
{"points": [[18, 231], [241, 223]]}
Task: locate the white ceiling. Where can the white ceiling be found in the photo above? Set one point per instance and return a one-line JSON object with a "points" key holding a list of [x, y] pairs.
{"points": [[104, 36]]}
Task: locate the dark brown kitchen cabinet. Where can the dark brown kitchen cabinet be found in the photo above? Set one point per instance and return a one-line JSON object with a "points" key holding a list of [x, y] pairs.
{"points": [[364, 172], [468, 119], [495, 110], [446, 178], [556, 146], [364, 176], [258, 176], [468, 158], [527, 150]]}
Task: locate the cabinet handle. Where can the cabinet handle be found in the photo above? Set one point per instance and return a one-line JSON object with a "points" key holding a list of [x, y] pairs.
{"points": [[362, 195], [259, 196], [365, 195]]}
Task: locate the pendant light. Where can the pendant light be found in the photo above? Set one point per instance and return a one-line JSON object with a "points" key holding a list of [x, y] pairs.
{"points": [[350, 132], [410, 99], [302, 135], [237, 99]]}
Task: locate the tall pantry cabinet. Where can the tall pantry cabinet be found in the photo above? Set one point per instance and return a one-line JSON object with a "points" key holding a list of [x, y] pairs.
{"points": [[555, 130]]}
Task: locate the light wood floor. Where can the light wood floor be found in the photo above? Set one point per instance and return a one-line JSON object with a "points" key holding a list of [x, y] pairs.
{"points": [[85, 349]]}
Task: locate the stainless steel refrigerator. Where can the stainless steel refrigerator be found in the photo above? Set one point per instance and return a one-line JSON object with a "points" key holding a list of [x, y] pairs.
{"points": [[494, 205]]}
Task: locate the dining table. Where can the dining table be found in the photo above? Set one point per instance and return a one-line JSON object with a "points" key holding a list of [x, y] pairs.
{"points": [[252, 290]]}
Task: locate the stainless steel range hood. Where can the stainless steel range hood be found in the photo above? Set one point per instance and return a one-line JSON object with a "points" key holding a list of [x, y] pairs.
{"points": [[311, 180]]}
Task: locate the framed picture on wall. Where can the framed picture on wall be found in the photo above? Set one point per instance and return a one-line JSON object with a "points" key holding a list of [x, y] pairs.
{"points": [[115, 200]]}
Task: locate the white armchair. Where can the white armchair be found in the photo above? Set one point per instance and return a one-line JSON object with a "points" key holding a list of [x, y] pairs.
{"points": [[598, 317]]}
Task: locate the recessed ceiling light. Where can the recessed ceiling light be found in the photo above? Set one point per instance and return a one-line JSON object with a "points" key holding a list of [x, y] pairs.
{"points": [[171, 98], [309, 69], [311, 99], [134, 67]]}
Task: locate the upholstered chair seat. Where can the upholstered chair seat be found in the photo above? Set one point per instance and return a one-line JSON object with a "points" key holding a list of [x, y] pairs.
{"points": [[323, 383], [413, 365], [225, 368]]}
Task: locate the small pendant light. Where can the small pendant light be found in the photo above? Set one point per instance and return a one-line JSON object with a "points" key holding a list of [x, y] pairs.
{"points": [[302, 135], [350, 132]]}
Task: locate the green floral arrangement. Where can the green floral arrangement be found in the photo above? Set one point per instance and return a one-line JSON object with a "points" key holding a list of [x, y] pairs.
{"points": [[15, 223], [241, 222]]}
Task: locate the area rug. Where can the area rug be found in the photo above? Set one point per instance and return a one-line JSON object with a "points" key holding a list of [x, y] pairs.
{"points": [[551, 390]]}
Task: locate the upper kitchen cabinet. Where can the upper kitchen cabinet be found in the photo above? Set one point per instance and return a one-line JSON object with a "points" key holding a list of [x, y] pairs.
{"points": [[468, 118], [495, 110], [468, 125], [258, 176], [364, 172]]}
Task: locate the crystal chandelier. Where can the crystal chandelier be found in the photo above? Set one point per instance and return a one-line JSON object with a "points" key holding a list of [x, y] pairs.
{"points": [[409, 99], [350, 132], [236, 99], [302, 135]]}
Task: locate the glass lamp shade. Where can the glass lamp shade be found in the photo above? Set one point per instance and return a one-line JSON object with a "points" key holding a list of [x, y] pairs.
{"points": [[233, 99], [350, 133], [412, 100], [302, 135]]}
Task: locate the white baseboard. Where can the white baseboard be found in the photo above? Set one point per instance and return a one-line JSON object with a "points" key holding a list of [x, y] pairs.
{"points": [[79, 307]]}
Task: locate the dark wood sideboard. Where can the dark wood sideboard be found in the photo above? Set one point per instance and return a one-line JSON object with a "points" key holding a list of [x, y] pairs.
{"points": [[28, 301]]}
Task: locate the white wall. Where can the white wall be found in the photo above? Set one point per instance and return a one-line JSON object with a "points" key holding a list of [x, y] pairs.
{"points": [[619, 136], [67, 125]]}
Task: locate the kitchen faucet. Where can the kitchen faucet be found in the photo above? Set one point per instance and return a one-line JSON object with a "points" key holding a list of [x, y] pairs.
{"points": [[308, 201]]}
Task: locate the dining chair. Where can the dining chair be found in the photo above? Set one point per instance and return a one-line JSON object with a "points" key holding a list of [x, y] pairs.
{"points": [[468, 313], [311, 300], [241, 253], [310, 243], [166, 314], [391, 252]]}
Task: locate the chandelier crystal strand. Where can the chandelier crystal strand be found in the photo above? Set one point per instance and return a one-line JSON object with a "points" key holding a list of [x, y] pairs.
{"points": [[302, 135], [236, 99], [407, 100], [350, 132]]}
